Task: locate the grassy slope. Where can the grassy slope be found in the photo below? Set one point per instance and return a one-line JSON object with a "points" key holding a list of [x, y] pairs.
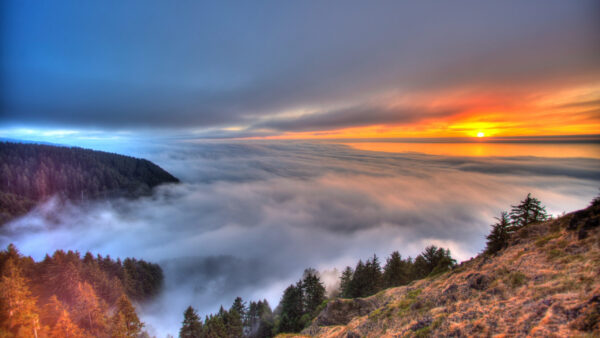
{"points": [[545, 284]]}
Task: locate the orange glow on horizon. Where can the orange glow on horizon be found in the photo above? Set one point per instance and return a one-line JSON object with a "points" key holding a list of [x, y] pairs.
{"points": [[572, 111]]}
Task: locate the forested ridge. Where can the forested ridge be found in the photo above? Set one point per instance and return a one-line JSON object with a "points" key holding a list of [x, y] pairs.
{"points": [[66, 295], [30, 173]]}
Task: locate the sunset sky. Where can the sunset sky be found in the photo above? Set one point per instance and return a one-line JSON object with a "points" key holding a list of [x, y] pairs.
{"points": [[301, 70]]}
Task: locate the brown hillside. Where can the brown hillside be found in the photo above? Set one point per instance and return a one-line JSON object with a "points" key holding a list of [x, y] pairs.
{"points": [[545, 284]]}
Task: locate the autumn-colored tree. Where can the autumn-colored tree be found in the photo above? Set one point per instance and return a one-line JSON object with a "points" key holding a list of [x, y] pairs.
{"points": [[125, 322], [18, 306], [52, 311], [65, 328], [89, 310]]}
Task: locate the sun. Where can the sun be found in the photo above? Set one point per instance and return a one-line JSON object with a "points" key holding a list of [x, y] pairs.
{"points": [[480, 134]]}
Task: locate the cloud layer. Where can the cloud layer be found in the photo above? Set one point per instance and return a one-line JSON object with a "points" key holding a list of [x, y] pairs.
{"points": [[251, 216]]}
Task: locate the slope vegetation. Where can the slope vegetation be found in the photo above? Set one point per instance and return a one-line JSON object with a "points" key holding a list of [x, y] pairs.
{"points": [[544, 284]]}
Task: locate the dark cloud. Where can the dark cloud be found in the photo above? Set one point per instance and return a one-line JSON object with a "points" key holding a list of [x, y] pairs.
{"points": [[354, 117], [250, 216], [190, 64]]}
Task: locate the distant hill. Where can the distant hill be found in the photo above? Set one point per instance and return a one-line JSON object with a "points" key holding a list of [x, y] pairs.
{"points": [[30, 173], [544, 284]]}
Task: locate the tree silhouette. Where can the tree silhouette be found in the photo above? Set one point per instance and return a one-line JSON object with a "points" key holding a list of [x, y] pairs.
{"points": [[346, 282], [314, 291], [191, 326], [526, 212], [498, 237]]}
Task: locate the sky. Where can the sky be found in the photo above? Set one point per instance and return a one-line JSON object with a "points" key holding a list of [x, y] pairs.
{"points": [[298, 70]]}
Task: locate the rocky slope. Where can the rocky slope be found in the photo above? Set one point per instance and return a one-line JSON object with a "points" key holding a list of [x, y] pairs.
{"points": [[545, 284]]}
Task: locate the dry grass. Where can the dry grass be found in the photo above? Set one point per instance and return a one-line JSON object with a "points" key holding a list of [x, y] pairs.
{"points": [[540, 286]]}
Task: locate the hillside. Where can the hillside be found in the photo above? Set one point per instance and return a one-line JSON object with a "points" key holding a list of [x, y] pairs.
{"points": [[544, 284], [30, 173]]}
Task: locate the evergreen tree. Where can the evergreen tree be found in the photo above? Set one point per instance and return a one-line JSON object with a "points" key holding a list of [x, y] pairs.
{"points": [[89, 310], [292, 309], [395, 272], [360, 281], [214, 327], [528, 211], [65, 328], [240, 306], [314, 291], [52, 311], [421, 268], [346, 282], [234, 325], [126, 320], [373, 276], [18, 306], [498, 237], [192, 325]]}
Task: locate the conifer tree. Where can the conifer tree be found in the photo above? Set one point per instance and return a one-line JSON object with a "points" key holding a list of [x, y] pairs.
{"points": [[313, 291], [52, 311], [192, 325], [127, 320], [214, 327], [395, 271], [234, 325], [292, 309], [239, 305], [373, 276], [65, 328], [528, 211], [498, 237], [346, 282], [18, 306], [89, 310]]}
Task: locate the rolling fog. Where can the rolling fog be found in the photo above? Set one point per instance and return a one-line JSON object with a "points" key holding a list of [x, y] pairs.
{"points": [[249, 217]]}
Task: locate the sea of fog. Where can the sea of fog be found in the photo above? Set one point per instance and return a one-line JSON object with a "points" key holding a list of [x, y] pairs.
{"points": [[250, 216]]}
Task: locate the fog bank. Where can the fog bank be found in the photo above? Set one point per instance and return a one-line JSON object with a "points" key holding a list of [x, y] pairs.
{"points": [[249, 217]]}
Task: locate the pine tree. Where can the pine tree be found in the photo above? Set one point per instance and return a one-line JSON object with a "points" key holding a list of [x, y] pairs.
{"points": [[125, 319], [240, 306], [420, 268], [192, 325], [234, 325], [498, 237], [214, 327], [65, 328], [374, 276], [292, 309], [528, 211], [395, 271], [346, 282], [89, 309], [313, 290], [52, 311], [18, 306]]}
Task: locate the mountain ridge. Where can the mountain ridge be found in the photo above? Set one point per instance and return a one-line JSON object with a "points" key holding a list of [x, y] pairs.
{"points": [[31, 173]]}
